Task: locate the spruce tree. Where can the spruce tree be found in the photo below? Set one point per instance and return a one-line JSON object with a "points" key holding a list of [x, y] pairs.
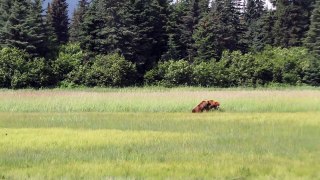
{"points": [[58, 15], [292, 22], [15, 32], [77, 20], [189, 23], [102, 27], [147, 23], [312, 40], [223, 29], [263, 35], [206, 39], [254, 10], [5, 7], [53, 44], [176, 48], [38, 39]]}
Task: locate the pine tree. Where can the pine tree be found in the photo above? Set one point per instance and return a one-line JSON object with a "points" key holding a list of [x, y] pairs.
{"points": [[52, 43], [263, 35], [5, 7], [189, 23], [38, 39], [176, 48], [206, 39], [147, 23], [218, 31], [77, 20], [292, 22], [25, 28], [254, 10], [15, 31], [102, 27], [58, 15], [312, 41]]}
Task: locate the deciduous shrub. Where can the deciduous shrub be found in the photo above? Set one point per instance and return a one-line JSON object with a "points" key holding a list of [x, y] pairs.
{"points": [[13, 68], [111, 70], [69, 59], [18, 70], [273, 65], [170, 73]]}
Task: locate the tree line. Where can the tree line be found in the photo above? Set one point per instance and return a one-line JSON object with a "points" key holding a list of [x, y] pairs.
{"points": [[116, 43]]}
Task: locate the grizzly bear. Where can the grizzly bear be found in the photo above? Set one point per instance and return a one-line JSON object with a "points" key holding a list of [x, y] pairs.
{"points": [[206, 105], [200, 107], [213, 104]]}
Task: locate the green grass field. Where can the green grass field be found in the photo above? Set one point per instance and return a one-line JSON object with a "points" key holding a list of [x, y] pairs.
{"points": [[152, 134]]}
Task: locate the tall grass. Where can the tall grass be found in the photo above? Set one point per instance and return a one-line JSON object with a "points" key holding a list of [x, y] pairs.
{"points": [[159, 145], [151, 134], [158, 100]]}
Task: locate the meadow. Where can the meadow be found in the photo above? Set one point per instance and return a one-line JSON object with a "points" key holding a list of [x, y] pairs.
{"points": [[150, 133]]}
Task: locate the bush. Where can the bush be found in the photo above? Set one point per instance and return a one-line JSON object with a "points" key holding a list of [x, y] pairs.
{"points": [[70, 58], [111, 70], [282, 65], [18, 70], [311, 70], [13, 68], [39, 73], [170, 73]]}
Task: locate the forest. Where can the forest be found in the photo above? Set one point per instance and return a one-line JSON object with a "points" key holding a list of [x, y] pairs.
{"points": [[120, 43]]}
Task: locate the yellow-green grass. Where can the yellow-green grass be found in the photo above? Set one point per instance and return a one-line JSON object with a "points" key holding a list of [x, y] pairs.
{"points": [[151, 133], [160, 145], [162, 100]]}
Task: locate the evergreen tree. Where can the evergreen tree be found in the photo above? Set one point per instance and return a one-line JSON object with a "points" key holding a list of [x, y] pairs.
{"points": [[220, 31], [5, 7], [176, 48], [52, 43], [312, 41], [58, 15], [189, 23], [15, 31], [38, 39], [206, 39], [254, 10], [292, 22], [25, 28], [77, 20], [263, 35], [102, 26], [147, 23]]}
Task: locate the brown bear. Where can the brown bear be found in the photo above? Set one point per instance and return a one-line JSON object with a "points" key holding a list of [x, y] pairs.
{"points": [[213, 104], [200, 107], [206, 105]]}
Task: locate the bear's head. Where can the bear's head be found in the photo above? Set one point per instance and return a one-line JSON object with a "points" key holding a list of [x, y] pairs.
{"points": [[213, 104]]}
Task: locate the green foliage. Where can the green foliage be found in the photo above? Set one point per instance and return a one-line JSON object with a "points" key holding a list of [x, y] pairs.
{"points": [[111, 71], [18, 70], [13, 67], [240, 68], [170, 73], [273, 65], [311, 72], [77, 20], [39, 73], [70, 57], [312, 41], [58, 19], [292, 22]]}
